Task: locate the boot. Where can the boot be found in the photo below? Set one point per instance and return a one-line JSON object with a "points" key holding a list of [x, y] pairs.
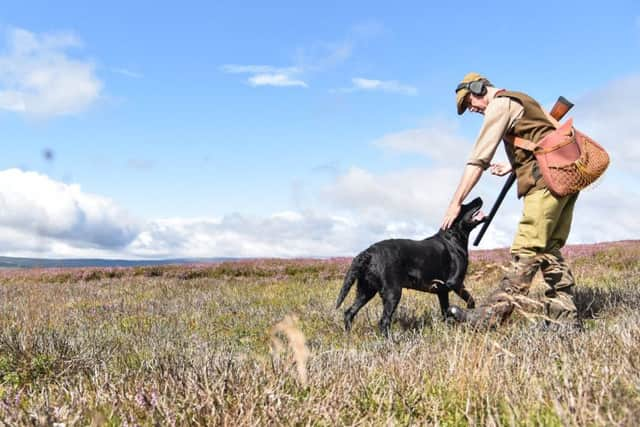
{"points": [[560, 307], [493, 312], [559, 302], [500, 303]]}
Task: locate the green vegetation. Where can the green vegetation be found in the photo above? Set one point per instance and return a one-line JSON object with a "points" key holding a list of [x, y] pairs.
{"points": [[165, 345]]}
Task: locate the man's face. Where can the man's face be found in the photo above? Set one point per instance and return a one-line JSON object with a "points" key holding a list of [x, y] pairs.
{"points": [[476, 104]]}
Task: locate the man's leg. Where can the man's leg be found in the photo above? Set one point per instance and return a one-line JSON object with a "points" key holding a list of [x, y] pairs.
{"points": [[542, 222], [530, 238], [559, 301], [500, 303]]}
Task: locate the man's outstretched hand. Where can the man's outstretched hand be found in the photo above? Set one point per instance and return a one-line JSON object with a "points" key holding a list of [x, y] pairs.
{"points": [[469, 178], [450, 216]]}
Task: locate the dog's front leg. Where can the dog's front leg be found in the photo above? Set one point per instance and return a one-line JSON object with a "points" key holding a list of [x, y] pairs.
{"points": [[458, 269], [466, 296], [443, 298]]}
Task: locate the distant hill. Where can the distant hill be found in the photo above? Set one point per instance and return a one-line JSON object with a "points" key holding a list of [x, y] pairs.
{"points": [[13, 262], [475, 254]]}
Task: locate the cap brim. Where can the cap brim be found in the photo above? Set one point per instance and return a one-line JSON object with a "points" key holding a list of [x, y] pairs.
{"points": [[460, 100]]}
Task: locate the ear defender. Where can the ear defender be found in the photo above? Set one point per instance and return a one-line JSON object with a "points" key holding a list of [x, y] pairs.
{"points": [[476, 87]]}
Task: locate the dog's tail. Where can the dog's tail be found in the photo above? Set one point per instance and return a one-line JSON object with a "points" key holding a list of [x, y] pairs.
{"points": [[357, 265]]}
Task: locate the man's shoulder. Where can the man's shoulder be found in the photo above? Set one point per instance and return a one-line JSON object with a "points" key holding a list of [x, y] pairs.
{"points": [[505, 103], [519, 97], [508, 93], [500, 104]]}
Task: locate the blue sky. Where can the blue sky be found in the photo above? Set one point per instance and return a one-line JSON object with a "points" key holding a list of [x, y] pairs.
{"points": [[286, 129]]}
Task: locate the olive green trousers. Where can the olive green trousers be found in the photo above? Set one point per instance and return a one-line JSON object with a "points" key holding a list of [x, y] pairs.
{"points": [[545, 224]]}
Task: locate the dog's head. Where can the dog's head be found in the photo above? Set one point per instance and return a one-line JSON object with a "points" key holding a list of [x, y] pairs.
{"points": [[470, 216]]}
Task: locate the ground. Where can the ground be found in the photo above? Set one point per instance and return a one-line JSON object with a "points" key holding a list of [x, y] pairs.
{"points": [[260, 342]]}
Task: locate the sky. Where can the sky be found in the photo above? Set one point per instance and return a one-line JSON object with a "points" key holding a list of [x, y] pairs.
{"points": [[289, 129]]}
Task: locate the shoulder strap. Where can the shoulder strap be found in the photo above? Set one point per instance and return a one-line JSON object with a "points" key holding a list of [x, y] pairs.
{"points": [[525, 144]]}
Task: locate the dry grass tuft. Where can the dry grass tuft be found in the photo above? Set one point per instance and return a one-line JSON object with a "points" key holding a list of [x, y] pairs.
{"points": [[289, 327]]}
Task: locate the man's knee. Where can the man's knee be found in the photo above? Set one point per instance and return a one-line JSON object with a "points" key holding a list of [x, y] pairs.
{"points": [[518, 279]]}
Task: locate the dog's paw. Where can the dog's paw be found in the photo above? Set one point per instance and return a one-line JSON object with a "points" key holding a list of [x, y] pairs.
{"points": [[455, 313], [471, 304]]}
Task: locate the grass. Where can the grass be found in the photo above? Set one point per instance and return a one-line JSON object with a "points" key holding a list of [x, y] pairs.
{"points": [[227, 345]]}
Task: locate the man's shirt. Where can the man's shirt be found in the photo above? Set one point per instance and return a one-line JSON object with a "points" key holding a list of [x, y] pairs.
{"points": [[499, 117]]}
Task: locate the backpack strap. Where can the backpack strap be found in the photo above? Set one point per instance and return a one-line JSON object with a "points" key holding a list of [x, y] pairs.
{"points": [[525, 144]]}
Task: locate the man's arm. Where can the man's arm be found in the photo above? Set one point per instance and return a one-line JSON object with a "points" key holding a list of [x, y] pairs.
{"points": [[470, 177], [499, 116]]}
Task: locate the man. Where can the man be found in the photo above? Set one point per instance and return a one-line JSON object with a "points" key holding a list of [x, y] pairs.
{"points": [[546, 219]]}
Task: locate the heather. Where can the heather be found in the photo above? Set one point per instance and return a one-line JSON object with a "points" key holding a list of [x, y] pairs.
{"points": [[259, 342]]}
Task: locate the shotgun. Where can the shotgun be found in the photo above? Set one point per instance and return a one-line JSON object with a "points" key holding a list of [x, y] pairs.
{"points": [[559, 110]]}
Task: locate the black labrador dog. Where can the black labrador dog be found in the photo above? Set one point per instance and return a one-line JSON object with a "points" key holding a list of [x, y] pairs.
{"points": [[436, 265]]}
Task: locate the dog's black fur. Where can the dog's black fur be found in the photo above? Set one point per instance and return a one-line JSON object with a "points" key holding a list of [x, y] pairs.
{"points": [[437, 265]]}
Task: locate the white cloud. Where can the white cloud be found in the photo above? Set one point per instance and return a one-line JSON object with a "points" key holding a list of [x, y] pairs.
{"points": [[315, 58], [403, 195], [610, 116], [48, 211], [391, 86], [360, 84], [438, 140], [42, 217], [266, 75], [39, 78], [275, 80], [286, 234], [280, 235]]}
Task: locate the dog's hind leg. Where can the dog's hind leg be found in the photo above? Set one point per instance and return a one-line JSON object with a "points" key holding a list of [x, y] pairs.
{"points": [[466, 296], [390, 299], [443, 298], [365, 293]]}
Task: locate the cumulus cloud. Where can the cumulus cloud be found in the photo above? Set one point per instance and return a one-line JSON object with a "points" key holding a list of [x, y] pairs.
{"points": [[39, 77], [609, 115], [438, 140], [403, 195], [42, 217], [43, 210], [390, 86], [284, 234]]}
